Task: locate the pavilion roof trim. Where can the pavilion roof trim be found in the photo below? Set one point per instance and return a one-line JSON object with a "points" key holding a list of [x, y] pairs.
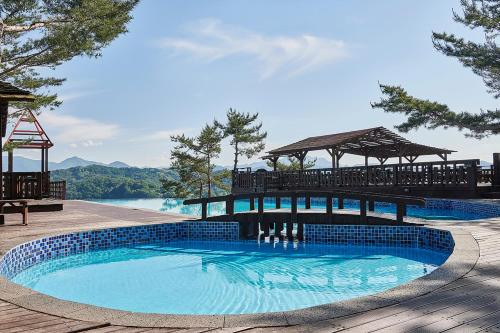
{"points": [[8, 92], [373, 142]]}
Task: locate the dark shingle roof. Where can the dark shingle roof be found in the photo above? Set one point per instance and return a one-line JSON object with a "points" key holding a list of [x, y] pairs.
{"points": [[374, 142], [11, 93]]}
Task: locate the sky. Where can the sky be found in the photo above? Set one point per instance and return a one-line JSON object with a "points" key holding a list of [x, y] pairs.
{"points": [[307, 67]]}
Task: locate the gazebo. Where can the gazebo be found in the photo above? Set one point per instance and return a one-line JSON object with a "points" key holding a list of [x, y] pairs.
{"points": [[9, 93], [377, 142]]}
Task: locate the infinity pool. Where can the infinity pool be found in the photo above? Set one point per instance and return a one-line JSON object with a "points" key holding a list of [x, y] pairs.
{"points": [[176, 206], [213, 277]]}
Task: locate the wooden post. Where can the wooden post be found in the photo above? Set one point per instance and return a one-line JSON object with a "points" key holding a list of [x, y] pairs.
{"points": [[25, 213], [11, 161], [278, 202], [366, 170], [329, 209], [307, 201], [300, 230], [400, 212], [293, 217], [362, 210], [252, 202], [42, 167], [230, 206], [204, 210], [4, 108], [261, 211], [496, 169], [341, 203], [371, 205]]}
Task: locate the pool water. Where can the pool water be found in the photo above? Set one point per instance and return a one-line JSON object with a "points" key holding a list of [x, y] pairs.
{"points": [[210, 277], [176, 206]]}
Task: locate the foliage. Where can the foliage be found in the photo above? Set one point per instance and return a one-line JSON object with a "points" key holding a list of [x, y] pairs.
{"points": [[246, 137], [102, 182], [192, 158], [40, 34], [292, 165], [483, 58]]}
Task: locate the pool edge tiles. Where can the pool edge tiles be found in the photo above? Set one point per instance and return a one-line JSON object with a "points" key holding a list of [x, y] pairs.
{"points": [[380, 235], [30, 253]]}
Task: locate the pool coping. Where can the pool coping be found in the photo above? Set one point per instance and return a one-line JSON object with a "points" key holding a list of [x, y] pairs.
{"points": [[463, 258]]}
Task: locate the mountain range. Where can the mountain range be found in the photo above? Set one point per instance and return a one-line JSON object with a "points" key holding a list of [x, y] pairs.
{"points": [[24, 164]]}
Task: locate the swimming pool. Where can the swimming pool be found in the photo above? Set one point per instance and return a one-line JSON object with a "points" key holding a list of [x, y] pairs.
{"points": [[204, 268], [209, 277], [435, 209]]}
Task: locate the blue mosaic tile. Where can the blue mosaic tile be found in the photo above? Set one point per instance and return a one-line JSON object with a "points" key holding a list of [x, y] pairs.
{"points": [[364, 235], [28, 254]]}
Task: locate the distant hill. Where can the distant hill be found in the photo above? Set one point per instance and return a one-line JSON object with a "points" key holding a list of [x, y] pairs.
{"points": [[23, 164], [105, 182]]}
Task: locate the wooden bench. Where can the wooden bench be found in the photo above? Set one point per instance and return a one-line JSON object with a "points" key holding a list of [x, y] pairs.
{"points": [[23, 204]]}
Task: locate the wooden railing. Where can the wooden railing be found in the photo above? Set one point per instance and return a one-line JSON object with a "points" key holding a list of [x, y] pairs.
{"points": [[464, 173], [25, 185], [486, 175], [57, 190], [32, 185]]}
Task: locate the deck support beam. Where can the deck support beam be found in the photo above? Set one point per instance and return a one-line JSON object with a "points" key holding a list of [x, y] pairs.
{"points": [[307, 199], [371, 205], [329, 209], [293, 217], [362, 210]]}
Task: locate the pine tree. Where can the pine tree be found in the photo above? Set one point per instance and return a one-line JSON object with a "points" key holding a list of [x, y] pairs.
{"points": [[483, 58], [292, 165], [246, 137], [36, 35], [193, 160]]}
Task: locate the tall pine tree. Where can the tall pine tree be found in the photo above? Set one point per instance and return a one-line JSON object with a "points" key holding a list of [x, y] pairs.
{"points": [[193, 160], [246, 136], [483, 58]]}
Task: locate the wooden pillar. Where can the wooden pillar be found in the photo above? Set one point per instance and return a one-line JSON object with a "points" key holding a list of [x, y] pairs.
{"points": [[230, 206], [46, 159], [4, 110], [362, 210], [329, 209], [274, 160], [371, 205], [252, 202], [307, 201], [42, 167], [496, 169], [204, 210], [293, 217], [11, 161], [341, 203], [261, 211], [366, 170], [400, 207], [278, 202], [338, 157]]}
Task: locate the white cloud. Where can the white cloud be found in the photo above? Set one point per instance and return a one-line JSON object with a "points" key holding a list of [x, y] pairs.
{"points": [[159, 135], [77, 131], [211, 40]]}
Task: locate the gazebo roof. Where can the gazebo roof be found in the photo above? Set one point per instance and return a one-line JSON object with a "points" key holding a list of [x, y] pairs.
{"points": [[373, 142], [8, 92]]}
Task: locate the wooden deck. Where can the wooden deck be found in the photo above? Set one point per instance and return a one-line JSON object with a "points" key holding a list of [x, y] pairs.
{"points": [[470, 304]]}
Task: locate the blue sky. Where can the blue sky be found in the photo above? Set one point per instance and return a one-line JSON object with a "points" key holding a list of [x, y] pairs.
{"points": [[308, 67]]}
